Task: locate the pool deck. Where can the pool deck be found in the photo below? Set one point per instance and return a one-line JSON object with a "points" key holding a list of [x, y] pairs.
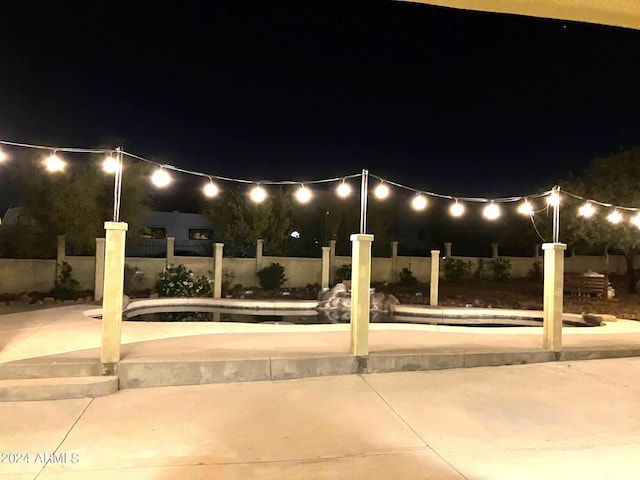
{"points": [[552, 419], [164, 354]]}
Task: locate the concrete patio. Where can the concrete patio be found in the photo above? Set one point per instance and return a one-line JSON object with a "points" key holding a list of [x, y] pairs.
{"points": [[555, 419]]}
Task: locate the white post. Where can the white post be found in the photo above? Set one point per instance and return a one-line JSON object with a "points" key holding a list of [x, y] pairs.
{"points": [[435, 277], [552, 298], [360, 284], [332, 260], [394, 262], [98, 284], [60, 253], [259, 250], [326, 251], [217, 270], [447, 249], [112, 297], [171, 244], [494, 251]]}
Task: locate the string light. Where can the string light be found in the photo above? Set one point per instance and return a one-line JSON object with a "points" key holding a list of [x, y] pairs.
{"points": [[586, 210], [419, 202], [525, 208], [161, 178], [210, 189], [258, 194], [615, 217], [54, 164], [382, 191], [110, 165], [344, 189], [491, 211], [303, 195], [456, 209]]}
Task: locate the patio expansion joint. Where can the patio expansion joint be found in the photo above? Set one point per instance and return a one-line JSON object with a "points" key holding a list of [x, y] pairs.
{"points": [[408, 425]]}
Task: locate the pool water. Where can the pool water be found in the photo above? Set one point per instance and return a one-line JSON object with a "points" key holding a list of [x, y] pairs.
{"points": [[313, 317]]}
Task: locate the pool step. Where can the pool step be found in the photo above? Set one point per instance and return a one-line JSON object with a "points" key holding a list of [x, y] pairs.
{"points": [[57, 388]]}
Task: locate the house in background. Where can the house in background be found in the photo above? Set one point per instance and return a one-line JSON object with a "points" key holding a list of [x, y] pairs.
{"points": [[193, 235]]}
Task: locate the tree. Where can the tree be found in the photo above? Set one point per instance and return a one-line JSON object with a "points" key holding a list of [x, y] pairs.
{"points": [[74, 203], [241, 222], [614, 180]]}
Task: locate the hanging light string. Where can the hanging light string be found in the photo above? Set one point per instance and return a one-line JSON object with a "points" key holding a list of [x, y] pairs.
{"points": [[418, 192]]}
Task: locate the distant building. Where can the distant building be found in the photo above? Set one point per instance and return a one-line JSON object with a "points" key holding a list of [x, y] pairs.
{"points": [[193, 233]]}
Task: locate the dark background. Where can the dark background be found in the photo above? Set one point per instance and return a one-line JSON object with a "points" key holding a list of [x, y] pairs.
{"points": [[449, 101]]}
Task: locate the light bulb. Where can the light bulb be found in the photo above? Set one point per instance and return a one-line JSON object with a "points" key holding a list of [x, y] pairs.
{"points": [[110, 165], [258, 194], [161, 178], [53, 163], [614, 217], [3, 156], [303, 195], [344, 190], [586, 210], [456, 209], [419, 202], [210, 189], [381, 191], [636, 220], [491, 211], [525, 208]]}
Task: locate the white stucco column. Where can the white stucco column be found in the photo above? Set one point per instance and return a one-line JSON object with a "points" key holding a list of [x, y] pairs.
{"points": [[552, 297], [360, 284], [435, 277], [394, 262], [447, 249], [326, 265], [217, 270], [60, 253], [494, 250], [112, 296], [171, 246], [259, 252], [98, 283], [332, 260]]}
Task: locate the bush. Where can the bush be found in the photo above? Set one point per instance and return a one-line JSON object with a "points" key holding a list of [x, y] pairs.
{"points": [[535, 272], [501, 268], [407, 279], [65, 285], [272, 277], [179, 281], [343, 273], [455, 269]]}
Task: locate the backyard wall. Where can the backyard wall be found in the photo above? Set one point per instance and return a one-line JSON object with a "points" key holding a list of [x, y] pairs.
{"points": [[17, 275]]}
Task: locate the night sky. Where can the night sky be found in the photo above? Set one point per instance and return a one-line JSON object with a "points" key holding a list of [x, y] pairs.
{"points": [[449, 101]]}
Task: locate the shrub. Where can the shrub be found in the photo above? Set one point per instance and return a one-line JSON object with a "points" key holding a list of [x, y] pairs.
{"points": [[343, 273], [180, 281], [272, 277], [455, 269], [535, 272], [407, 279], [65, 286], [501, 268]]}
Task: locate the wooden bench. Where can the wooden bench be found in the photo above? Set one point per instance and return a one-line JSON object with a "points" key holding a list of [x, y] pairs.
{"points": [[584, 286]]}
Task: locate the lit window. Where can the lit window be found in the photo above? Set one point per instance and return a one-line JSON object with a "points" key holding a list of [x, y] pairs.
{"points": [[153, 232], [200, 234]]}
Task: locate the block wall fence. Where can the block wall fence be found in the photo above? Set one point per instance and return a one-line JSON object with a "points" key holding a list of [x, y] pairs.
{"points": [[24, 275]]}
